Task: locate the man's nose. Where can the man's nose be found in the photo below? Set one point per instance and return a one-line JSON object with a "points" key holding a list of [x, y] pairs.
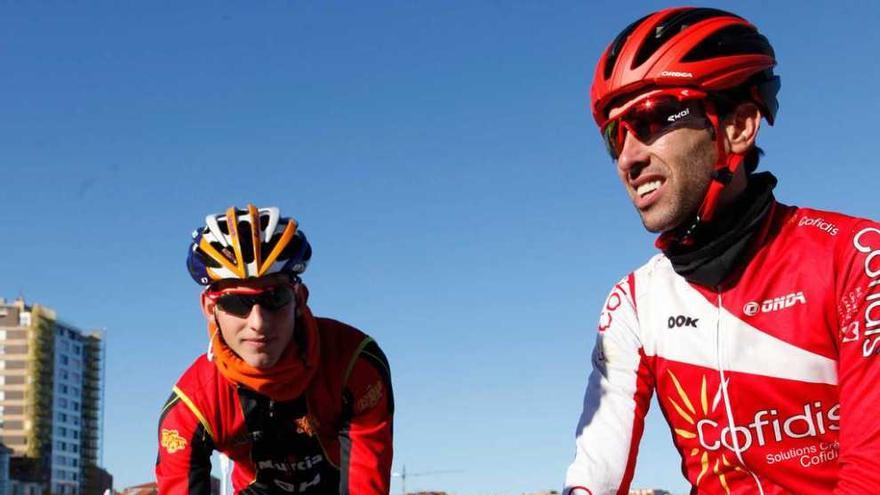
{"points": [[257, 318], [633, 155]]}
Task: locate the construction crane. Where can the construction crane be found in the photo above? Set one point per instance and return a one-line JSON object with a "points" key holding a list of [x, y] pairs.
{"points": [[403, 475]]}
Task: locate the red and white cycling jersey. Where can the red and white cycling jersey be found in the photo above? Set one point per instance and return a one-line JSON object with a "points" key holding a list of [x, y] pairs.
{"points": [[770, 383]]}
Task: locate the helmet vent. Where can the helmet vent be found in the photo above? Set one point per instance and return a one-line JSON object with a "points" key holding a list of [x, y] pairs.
{"points": [[246, 241], [732, 40], [668, 28], [617, 45], [296, 250], [209, 261]]}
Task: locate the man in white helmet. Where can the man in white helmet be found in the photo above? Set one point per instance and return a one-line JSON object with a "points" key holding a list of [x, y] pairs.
{"points": [[299, 404]]}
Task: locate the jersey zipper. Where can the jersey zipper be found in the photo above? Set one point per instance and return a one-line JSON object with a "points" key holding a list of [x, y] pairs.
{"points": [[728, 408]]}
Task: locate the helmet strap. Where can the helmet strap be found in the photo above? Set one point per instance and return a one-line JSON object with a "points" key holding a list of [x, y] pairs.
{"points": [[210, 352]]}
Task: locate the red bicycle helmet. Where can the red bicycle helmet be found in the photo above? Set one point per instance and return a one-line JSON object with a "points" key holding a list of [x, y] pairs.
{"points": [[711, 50], [708, 49]]}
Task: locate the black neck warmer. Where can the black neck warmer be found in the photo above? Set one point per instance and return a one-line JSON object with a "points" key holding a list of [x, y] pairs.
{"points": [[719, 245]]}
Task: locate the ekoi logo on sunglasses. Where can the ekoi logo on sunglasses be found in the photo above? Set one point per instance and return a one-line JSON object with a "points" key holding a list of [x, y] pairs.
{"points": [[679, 115]]}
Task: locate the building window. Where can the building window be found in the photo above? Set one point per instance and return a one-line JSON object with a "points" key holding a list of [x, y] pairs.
{"points": [[14, 380]]}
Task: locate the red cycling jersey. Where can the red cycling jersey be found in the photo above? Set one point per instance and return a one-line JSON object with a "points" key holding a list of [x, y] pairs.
{"points": [[768, 382], [334, 439]]}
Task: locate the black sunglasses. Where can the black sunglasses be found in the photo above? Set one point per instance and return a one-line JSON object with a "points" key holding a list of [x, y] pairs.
{"points": [[240, 303]]}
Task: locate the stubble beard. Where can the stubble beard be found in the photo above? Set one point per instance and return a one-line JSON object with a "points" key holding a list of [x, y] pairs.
{"points": [[685, 194]]}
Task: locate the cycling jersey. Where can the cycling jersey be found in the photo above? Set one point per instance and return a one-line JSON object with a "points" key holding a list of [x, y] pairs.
{"points": [[333, 439], [768, 381]]}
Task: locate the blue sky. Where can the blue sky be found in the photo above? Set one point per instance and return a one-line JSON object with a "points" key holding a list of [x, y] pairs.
{"points": [[439, 155]]}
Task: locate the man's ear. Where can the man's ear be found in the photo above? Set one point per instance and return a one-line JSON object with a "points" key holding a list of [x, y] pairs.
{"points": [[741, 127], [208, 306]]}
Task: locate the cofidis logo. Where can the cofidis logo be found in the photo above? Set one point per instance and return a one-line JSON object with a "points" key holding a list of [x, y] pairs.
{"points": [[868, 241]]}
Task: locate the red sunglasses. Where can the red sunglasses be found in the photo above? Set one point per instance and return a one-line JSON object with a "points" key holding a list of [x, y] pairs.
{"points": [[239, 301], [650, 117]]}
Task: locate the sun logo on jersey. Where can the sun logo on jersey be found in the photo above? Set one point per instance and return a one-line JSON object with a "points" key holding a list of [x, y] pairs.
{"points": [[172, 441], [692, 416]]}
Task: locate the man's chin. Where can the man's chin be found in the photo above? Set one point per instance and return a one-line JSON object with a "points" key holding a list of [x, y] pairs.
{"points": [[657, 222], [652, 229], [655, 225], [261, 361]]}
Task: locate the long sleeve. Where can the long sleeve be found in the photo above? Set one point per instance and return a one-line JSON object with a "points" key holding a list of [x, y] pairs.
{"points": [[184, 463], [615, 404], [366, 436], [858, 290]]}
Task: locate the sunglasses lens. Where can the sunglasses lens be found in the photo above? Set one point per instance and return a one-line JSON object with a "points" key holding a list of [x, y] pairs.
{"points": [[612, 139], [236, 304], [649, 119], [276, 298], [241, 304]]}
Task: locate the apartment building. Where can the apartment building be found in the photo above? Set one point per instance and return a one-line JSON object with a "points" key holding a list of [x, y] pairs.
{"points": [[51, 376]]}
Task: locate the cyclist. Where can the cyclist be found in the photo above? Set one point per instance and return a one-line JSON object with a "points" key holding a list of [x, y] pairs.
{"points": [[300, 404], [759, 323]]}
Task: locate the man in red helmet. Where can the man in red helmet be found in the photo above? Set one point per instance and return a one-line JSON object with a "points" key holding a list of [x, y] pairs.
{"points": [[759, 324], [299, 404]]}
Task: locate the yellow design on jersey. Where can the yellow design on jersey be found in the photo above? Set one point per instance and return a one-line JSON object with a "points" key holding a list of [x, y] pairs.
{"points": [[172, 441]]}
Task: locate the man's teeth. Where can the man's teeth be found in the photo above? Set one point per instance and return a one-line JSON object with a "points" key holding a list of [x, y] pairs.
{"points": [[649, 187]]}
